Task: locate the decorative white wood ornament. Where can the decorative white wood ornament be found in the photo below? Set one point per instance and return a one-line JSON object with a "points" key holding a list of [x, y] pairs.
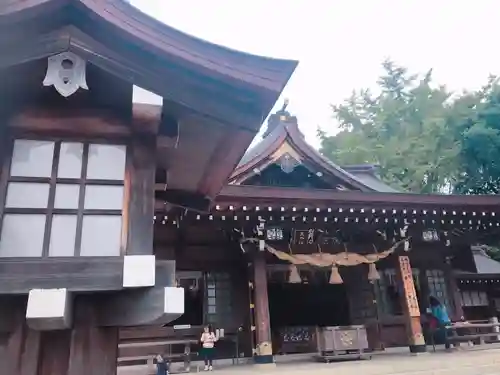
{"points": [[66, 72], [288, 163]]}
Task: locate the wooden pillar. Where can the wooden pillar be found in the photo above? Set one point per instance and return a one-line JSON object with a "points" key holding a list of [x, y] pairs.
{"points": [[141, 190], [84, 349], [411, 309], [264, 350]]}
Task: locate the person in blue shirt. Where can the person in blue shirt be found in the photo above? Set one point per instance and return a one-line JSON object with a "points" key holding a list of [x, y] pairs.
{"points": [[439, 313], [161, 365]]}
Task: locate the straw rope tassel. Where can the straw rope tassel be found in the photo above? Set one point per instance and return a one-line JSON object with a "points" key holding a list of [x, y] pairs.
{"points": [[373, 273], [335, 277], [294, 277]]}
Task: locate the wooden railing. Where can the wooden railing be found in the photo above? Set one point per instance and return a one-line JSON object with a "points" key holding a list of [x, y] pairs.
{"points": [[139, 345]]}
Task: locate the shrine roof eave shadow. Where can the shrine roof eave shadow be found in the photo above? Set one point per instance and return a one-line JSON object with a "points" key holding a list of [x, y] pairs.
{"points": [[311, 198], [231, 90], [233, 87]]}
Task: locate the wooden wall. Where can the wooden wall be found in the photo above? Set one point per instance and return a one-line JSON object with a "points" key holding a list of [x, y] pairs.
{"points": [[205, 250], [83, 350], [423, 258], [208, 249]]}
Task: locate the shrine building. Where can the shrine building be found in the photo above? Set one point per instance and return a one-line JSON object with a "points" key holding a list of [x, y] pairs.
{"points": [[125, 227]]}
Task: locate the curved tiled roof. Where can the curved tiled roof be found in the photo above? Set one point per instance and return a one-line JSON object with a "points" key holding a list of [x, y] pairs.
{"points": [[361, 177], [219, 95]]}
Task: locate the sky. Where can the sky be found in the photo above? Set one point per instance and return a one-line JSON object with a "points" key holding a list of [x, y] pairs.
{"points": [[340, 44]]}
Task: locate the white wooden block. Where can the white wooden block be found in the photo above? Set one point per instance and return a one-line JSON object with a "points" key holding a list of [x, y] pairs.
{"points": [[139, 271], [174, 300], [49, 309]]}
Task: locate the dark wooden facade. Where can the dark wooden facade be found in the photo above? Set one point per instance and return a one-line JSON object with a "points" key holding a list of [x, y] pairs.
{"points": [[478, 277], [109, 209], [80, 163], [284, 186]]}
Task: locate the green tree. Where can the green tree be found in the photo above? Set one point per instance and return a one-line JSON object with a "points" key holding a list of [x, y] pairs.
{"points": [[405, 129], [478, 128]]}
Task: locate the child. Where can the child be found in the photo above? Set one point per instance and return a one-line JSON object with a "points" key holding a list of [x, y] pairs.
{"points": [[208, 339], [161, 365]]}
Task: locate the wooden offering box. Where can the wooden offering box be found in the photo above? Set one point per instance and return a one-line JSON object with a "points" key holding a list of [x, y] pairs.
{"points": [[344, 342]]}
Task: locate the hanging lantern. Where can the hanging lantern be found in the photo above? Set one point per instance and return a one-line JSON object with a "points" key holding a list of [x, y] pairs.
{"points": [[294, 277], [335, 277], [373, 272]]}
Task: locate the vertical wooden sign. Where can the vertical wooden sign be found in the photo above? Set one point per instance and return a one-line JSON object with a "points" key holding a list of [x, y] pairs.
{"points": [[410, 293], [410, 306]]}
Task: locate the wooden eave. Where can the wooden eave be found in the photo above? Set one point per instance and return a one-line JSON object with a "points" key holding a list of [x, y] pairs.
{"points": [[318, 198], [326, 206], [227, 85], [228, 93], [290, 133], [465, 278], [466, 219]]}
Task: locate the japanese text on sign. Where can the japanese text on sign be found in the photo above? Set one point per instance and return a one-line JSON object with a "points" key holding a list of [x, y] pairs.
{"points": [[409, 287]]}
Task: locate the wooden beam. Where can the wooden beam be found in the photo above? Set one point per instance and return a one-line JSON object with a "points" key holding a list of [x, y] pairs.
{"points": [[194, 200], [141, 194], [137, 307], [316, 198], [97, 123], [92, 274]]}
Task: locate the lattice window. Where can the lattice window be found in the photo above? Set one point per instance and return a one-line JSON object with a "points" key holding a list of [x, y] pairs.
{"points": [[437, 286], [218, 298], [474, 298], [389, 294], [63, 199]]}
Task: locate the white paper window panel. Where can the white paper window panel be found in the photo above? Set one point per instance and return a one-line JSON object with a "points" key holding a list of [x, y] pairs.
{"points": [[466, 299], [70, 160], [106, 162], [62, 236], [483, 299], [27, 195], [32, 158], [22, 235], [103, 197], [67, 196], [474, 298], [101, 235]]}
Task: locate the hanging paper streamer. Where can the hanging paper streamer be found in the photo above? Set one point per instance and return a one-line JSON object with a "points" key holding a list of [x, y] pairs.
{"points": [[335, 277]]}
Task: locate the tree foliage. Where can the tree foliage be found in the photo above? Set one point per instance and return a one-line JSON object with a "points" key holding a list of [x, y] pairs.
{"points": [[424, 138]]}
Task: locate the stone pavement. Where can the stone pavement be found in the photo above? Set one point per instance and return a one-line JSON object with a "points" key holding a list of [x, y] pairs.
{"points": [[461, 362]]}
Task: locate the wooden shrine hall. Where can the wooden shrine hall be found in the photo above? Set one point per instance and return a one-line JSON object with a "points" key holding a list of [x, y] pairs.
{"points": [[79, 162], [124, 227], [294, 242]]}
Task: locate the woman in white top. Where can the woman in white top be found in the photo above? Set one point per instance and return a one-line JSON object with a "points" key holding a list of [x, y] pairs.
{"points": [[208, 339]]}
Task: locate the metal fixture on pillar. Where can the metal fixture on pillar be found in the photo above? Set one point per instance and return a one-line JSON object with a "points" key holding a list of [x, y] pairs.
{"points": [[261, 235]]}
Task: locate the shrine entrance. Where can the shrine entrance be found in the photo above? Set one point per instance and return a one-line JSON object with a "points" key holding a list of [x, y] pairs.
{"points": [[296, 309]]}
